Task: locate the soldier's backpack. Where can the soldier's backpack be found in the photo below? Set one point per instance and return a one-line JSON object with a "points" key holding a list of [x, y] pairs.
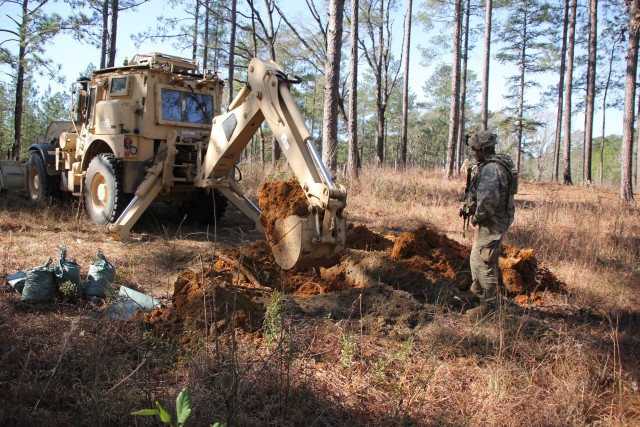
{"points": [[505, 161], [512, 172]]}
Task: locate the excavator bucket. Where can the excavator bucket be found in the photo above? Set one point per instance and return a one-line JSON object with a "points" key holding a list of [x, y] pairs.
{"points": [[301, 235], [297, 243]]}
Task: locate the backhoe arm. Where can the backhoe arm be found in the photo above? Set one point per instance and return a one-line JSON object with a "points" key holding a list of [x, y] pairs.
{"points": [[316, 240]]}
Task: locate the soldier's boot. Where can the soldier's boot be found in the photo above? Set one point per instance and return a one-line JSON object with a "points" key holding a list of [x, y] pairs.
{"points": [[476, 288], [480, 311], [488, 300]]}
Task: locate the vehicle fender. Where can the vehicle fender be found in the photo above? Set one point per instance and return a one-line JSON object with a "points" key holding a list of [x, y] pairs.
{"points": [[48, 153], [99, 146]]}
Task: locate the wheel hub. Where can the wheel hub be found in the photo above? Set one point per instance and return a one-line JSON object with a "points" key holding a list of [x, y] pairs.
{"points": [[99, 192], [34, 181], [102, 193]]}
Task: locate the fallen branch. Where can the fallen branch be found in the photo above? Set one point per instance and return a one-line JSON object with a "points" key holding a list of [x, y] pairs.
{"points": [[241, 268]]}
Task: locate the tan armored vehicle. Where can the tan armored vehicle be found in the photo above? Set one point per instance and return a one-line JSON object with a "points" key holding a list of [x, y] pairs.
{"points": [[153, 130]]}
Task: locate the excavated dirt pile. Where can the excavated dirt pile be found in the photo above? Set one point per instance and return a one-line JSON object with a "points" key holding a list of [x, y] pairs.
{"points": [[387, 277], [375, 272], [207, 302]]}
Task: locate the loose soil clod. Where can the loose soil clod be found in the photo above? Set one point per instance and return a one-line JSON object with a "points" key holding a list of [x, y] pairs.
{"points": [[521, 274]]}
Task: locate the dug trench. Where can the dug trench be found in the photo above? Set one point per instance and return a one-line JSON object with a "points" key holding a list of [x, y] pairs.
{"points": [[393, 280]]}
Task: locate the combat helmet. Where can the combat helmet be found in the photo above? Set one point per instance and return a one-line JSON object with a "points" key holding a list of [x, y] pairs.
{"points": [[482, 139]]}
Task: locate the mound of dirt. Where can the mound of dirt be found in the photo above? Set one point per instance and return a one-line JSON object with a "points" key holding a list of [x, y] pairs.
{"points": [[280, 199], [441, 258], [423, 266], [360, 237], [205, 303], [521, 274], [259, 262]]}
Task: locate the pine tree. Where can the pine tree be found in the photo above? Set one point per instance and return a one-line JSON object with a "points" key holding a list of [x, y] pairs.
{"points": [[524, 46], [353, 163], [34, 29], [455, 90], [376, 47], [568, 87], [626, 185]]}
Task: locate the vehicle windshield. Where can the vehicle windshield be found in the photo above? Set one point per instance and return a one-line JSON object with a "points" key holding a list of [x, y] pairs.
{"points": [[189, 107]]}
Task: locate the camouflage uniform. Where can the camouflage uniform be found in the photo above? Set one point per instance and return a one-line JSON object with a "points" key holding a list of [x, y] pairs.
{"points": [[491, 192], [491, 198]]}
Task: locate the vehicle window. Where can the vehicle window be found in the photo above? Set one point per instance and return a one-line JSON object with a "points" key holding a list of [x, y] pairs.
{"points": [[189, 107], [118, 86], [171, 109], [92, 102]]}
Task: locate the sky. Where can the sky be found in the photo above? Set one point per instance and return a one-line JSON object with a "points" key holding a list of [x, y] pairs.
{"points": [[74, 57]]}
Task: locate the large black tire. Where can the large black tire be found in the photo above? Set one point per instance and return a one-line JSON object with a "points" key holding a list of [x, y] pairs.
{"points": [[104, 198], [202, 207], [40, 187]]}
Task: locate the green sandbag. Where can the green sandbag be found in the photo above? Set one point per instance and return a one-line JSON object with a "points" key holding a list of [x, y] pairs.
{"points": [[101, 274], [68, 270], [40, 285]]}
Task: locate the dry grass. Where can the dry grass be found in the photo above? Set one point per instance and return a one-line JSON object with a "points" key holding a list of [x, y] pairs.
{"points": [[574, 364]]}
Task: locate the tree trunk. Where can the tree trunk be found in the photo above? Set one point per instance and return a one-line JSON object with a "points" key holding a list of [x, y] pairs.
{"points": [[104, 47], [263, 151], [313, 107], [563, 61], [604, 102], [405, 88], [591, 89], [379, 132], [380, 107], [276, 151], [205, 36], [626, 185], [604, 114], [331, 89], [232, 48], [638, 151], [455, 91], [523, 54], [115, 4], [567, 94], [485, 67], [352, 164], [636, 176], [196, 24], [16, 152], [463, 90]]}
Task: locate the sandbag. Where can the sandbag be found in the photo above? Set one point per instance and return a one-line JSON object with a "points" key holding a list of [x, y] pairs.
{"points": [[101, 274], [68, 270], [40, 285]]}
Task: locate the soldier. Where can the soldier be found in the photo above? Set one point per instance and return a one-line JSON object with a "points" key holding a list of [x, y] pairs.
{"points": [[489, 204]]}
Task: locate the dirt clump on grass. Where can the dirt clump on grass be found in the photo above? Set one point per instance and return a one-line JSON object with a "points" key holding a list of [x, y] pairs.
{"points": [[521, 274]]}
